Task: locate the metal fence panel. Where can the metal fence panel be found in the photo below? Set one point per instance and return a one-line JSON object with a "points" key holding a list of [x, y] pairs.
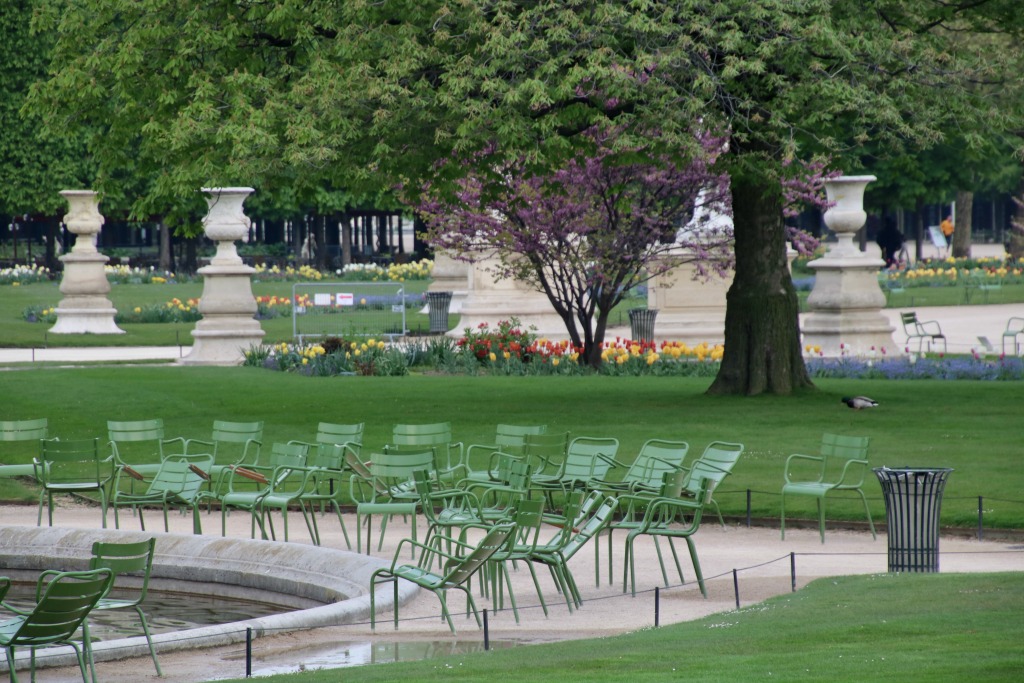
{"points": [[350, 309]]}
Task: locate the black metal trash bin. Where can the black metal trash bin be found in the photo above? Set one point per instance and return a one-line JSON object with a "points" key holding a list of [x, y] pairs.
{"points": [[913, 498], [439, 303], [641, 323]]}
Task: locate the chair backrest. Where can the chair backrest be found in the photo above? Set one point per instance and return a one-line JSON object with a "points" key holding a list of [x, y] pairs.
{"points": [[589, 524], [512, 438], [126, 558], [63, 603], [911, 325], [656, 458], [248, 434], [328, 456], [459, 571], [529, 517], [73, 461], [837, 450], [23, 430], [584, 459], [287, 459], [330, 433], [147, 435], [437, 435], [545, 452], [714, 464], [397, 466], [176, 476]]}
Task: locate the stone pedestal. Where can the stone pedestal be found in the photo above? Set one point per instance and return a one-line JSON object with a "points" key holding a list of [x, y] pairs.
{"points": [[846, 303], [450, 275], [229, 327], [490, 301], [689, 311], [85, 308]]}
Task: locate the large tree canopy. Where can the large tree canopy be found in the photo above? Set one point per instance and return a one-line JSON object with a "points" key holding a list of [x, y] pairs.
{"points": [[365, 92]]}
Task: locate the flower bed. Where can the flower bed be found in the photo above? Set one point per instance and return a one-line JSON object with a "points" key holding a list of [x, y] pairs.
{"points": [[23, 275]]}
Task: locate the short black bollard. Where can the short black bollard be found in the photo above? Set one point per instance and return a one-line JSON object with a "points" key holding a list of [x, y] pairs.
{"points": [[736, 587], [487, 633], [657, 606], [792, 571], [248, 652]]}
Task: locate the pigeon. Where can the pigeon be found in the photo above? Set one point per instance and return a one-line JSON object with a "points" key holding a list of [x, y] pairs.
{"points": [[859, 402]]}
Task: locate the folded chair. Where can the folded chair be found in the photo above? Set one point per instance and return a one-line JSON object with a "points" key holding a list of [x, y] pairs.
{"points": [[178, 484], [457, 568]]}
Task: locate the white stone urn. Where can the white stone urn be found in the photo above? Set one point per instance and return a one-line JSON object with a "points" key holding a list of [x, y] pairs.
{"points": [[846, 215], [83, 219], [226, 221], [85, 308], [229, 327], [846, 303]]}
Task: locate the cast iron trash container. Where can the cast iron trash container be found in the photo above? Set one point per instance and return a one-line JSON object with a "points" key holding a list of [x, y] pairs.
{"points": [[439, 302], [641, 323], [913, 498]]}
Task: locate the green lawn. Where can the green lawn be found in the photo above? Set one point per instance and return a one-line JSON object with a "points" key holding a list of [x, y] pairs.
{"points": [[16, 332], [973, 427], [912, 628]]}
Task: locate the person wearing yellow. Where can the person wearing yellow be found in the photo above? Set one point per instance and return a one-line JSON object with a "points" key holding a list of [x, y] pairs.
{"points": [[946, 226]]}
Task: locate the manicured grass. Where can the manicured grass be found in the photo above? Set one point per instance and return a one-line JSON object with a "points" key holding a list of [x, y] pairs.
{"points": [[851, 629], [943, 295], [970, 426]]}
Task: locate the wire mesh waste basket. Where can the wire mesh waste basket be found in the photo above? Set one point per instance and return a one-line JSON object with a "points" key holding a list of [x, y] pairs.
{"points": [[641, 323], [913, 498], [439, 303]]}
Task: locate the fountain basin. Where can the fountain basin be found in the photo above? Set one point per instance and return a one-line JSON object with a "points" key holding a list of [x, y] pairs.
{"points": [[329, 587]]}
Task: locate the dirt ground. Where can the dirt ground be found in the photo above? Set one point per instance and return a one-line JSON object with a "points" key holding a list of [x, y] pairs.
{"points": [[761, 561]]}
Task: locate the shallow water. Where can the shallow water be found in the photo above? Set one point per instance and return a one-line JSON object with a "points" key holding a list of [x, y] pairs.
{"points": [[320, 655]]}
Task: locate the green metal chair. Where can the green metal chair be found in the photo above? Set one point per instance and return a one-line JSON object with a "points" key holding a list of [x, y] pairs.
{"points": [[449, 454], [656, 458], [509, 439], [139, 443], [284, 472], [669, 518], [545, 452], [528, 518], [587, 459], [63, 603], [714, 465], [20, 438], [633, 507], [178, 483], [230, 444], [1014, 329], [841, 465], [583, 521], [126, 558], [457, 568], [385, 486], [328, 468], [71, 467], [924, 332]]}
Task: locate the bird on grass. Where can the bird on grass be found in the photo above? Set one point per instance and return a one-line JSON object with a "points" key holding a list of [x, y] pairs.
{"points": [[859, 402]]}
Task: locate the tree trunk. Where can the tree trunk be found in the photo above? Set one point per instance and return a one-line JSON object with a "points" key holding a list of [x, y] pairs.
{"points": [[346, 239], [962, 232], [1015, 241], [320, 251], [762, 328], [166, 260]]}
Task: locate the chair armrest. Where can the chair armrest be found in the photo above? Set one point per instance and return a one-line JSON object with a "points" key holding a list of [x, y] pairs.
{"points": [[178, 439], [800, 456], [258, 477], [188, 444], [846, 468], [930, 328]]}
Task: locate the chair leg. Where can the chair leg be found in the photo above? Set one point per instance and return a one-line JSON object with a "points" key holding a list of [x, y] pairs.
{"points": [[867, 511], [149, 639], [821, 518], [696, 566], [782, 520]]}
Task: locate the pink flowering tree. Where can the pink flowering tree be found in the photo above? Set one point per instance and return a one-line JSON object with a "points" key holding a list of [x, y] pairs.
{"points": [[587, 233]]}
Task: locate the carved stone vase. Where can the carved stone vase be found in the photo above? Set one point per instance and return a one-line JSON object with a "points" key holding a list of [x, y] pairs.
{"points": [[85, 308], [229, 327]]}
